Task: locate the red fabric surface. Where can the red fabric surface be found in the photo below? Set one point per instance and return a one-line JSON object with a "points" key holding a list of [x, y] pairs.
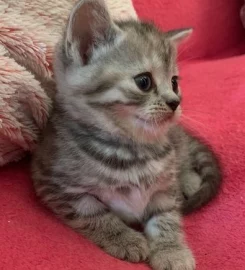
{"points": [[217, 25], [214, 99]]}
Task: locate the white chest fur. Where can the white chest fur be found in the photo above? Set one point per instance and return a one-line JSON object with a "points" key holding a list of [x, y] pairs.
{"points": [[129, 204]]}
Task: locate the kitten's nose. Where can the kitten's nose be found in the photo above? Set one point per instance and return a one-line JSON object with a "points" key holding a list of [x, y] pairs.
{"points": [[173, 104]]}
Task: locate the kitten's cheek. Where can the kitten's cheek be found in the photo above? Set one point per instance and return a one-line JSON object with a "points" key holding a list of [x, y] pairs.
{"points": [[124, 111], [177, 113], [142, 124]]}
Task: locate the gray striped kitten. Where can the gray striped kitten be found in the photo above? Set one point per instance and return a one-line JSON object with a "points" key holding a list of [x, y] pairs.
{"points": [[112, 155]]}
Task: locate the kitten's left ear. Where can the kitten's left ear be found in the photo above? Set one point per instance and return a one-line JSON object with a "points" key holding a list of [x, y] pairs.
{"points": [[89, 26], [179, 35]]}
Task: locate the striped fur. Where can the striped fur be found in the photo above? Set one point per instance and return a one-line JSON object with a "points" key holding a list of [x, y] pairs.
{"points": [[112, 156]]}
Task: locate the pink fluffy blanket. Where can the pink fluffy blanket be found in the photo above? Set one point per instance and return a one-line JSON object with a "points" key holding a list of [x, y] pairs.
{"points": [[29, 30]]}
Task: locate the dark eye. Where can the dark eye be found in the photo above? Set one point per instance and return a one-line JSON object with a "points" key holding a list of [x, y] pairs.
{"points": [[175, 84], [144, 81]]}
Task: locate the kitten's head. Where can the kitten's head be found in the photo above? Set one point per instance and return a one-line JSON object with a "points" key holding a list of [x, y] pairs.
{"points": [[121, 77]]}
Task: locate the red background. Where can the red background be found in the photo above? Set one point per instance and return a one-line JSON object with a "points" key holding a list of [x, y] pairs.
{"points": [[214, 99]]}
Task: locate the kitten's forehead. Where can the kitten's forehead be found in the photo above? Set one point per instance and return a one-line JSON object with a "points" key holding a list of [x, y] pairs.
{"points": [[144, 43]]}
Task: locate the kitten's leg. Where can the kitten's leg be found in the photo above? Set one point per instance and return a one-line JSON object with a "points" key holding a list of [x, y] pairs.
{"points": [[168, 250], [91, 218]]}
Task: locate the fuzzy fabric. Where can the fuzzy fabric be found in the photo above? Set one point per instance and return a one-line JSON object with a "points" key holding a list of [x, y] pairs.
{"points": [[29, 30]]}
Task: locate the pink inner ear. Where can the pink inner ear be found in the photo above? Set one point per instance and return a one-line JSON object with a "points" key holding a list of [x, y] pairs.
{"points": [[82, 19], [81, 30], [177, 36], [85, 44], [89, 22]]}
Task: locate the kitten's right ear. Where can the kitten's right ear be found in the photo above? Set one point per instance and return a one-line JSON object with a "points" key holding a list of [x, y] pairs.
{"points": [[179, 35], [89, 26]]}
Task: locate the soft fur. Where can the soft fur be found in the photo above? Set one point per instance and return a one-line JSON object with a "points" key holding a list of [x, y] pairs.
{"points": [[113, 155], [29, 30]]}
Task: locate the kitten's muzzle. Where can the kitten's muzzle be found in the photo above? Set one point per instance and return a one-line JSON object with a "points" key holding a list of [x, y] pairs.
{"points": [[173, 104]]}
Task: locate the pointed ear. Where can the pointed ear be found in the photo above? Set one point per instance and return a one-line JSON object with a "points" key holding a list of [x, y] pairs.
{"points": [[88, 26], [179, 35]]}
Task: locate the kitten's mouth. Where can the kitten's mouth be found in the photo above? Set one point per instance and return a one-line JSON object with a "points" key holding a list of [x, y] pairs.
{"points": [[150, 129], [152, 122]]}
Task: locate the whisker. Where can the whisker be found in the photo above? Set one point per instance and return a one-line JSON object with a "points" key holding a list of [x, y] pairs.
{"points": [[196, 122], [195, 111], [191, 119], [184, 49], [156, 125]]}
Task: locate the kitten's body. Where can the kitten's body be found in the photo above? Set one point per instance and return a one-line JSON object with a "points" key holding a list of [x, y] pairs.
{"points": [[103, 164], [129, 173]]}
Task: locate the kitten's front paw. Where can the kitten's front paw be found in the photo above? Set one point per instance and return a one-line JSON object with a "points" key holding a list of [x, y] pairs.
{"points": [[129, 245], [172, 259]]}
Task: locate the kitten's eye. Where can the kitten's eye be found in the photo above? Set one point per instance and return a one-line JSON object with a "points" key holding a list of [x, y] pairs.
{"points": [[175, 83], [144, 81]]}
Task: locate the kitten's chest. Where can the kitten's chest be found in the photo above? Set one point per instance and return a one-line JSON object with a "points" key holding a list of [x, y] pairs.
{"points": [[130, 202], [130, 198]]}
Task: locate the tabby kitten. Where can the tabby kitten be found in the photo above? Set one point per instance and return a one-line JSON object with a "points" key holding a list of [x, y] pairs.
{"points": [[112, 155]]}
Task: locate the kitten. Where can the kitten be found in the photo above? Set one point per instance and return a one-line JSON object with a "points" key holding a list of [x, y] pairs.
{"points": [[112, 154]]}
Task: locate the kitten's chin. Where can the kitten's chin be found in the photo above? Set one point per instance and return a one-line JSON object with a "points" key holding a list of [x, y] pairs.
{"points": [[144, 131]]}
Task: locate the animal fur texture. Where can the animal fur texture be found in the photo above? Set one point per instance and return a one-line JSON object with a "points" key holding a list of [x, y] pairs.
{"points": [[29, 30], [113, 155]]}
